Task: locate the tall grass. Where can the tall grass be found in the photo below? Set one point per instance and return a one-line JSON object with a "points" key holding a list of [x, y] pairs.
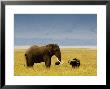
{"points": [[87, 58]]}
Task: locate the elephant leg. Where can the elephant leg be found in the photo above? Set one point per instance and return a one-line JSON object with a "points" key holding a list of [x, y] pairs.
{"points": [[48, 62], [29, 61]]}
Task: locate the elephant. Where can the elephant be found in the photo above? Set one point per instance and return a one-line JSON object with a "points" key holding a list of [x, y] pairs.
{"points": [[38, 54]]}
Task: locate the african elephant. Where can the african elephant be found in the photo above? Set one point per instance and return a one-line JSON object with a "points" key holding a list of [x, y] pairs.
{"points": [[37, 54]]}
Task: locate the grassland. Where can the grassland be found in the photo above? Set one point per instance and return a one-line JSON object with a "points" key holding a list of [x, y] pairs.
{"points": [[87, 58]]}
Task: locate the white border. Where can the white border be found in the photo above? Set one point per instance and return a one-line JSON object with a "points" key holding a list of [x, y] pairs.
{"points": [[100, 79]]}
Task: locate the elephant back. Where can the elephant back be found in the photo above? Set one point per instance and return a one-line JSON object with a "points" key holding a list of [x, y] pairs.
{"points": [[36, 50]]}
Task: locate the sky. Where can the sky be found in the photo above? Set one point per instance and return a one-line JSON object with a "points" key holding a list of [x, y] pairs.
{"points": [[61, 29]]}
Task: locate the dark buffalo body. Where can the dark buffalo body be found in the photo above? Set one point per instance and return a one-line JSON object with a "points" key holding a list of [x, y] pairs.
{"points": [[75, 63]]}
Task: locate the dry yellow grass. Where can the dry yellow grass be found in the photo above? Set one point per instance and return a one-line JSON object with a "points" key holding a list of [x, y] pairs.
{"points": [[87, 58]]}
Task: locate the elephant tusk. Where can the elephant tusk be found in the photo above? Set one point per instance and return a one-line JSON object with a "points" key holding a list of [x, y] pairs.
{"points": [[59, 61]]}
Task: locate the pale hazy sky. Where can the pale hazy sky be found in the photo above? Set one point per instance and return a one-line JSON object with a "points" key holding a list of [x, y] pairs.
{"points": [[63, 29]]}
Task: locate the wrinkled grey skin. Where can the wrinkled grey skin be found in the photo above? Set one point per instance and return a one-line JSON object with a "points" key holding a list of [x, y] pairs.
{"points": [[36, 54]]}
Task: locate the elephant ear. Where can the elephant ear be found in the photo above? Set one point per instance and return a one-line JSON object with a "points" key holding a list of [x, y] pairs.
{"points": [[52, 47], [49, 48]]}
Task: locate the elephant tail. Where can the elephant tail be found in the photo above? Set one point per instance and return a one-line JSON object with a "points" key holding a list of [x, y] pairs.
{"points": [[26, 59], [25, 55]]}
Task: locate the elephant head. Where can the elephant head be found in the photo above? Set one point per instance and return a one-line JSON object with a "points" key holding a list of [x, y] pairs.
{"points": [[55, 50]]}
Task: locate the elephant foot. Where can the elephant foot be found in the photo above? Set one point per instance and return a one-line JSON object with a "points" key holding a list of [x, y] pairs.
{"points": [[47, 66]]}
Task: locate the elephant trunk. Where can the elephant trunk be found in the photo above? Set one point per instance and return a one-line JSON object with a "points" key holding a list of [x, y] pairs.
{"points": [[58, 55]]}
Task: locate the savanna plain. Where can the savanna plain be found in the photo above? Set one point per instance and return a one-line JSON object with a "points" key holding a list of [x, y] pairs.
{"points": [[87, 57]]}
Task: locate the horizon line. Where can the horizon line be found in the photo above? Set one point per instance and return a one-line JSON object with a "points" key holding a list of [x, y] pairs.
{"points": [[27, 46]]}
